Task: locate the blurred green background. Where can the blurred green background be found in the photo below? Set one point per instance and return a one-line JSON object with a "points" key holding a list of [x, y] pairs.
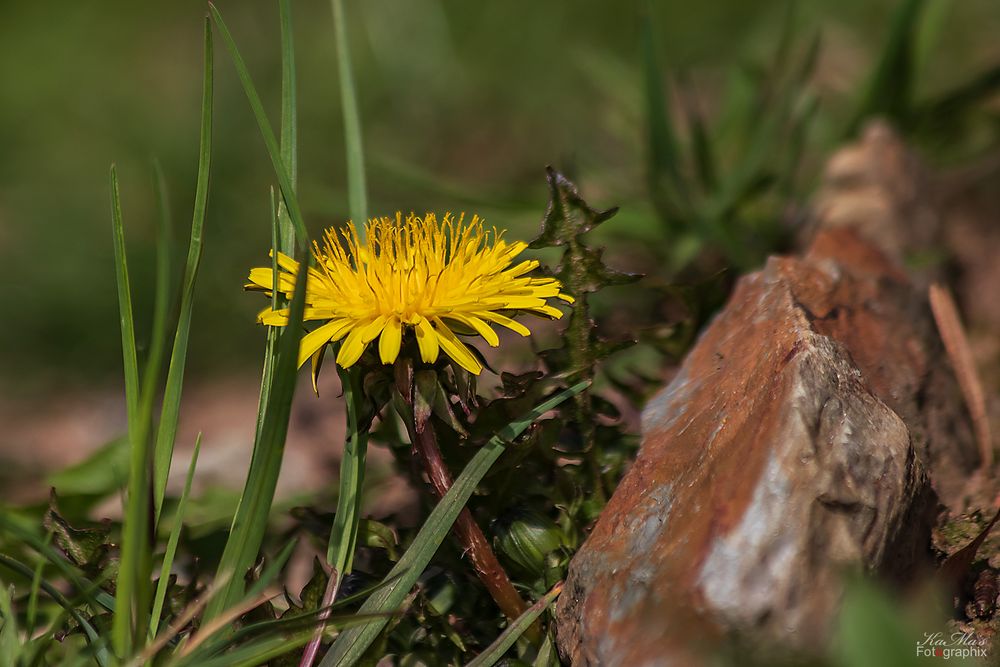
{"points": [[463, 104]]}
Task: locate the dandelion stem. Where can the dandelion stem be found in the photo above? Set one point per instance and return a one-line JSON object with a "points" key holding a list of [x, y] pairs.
{"points": [[474, 543]]}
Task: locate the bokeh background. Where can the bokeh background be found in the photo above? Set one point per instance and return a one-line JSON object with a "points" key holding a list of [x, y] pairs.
{"points": [[463, 104]]}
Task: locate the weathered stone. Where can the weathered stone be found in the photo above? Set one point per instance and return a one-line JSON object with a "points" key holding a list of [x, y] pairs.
{"points": [[803, 434]]}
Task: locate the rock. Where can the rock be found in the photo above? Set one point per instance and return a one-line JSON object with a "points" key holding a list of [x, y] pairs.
{"points": [[810, 429]]}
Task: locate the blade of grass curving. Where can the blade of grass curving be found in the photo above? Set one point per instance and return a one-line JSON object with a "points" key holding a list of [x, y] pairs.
{"points": [[357, 195], [250, 522], [95, 640], [132, 594], [220, 641], [289, 131], [252, 654], [172, 541], [270, 141], [166, 434], [889, 91], [494, 652], [178, 623], [254, 632], [267, 576], [352, 643]]}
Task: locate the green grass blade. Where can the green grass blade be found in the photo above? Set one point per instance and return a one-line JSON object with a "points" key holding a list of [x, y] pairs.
{"points": [[357, 196], [167, 432], [172, 541], [161, 302], [344, 533], [250, 522], [251, 654], [352, 643], [289, 116], [271, 344], [494, 652], [270, 141], [132, 594]]}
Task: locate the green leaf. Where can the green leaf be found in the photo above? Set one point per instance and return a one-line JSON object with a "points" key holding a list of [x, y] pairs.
{"points": [[250, 522], [352, 643], [494, 652], [161, 302], [568, 216], [132, 592], [270, 142], [168, 555], [167, 432], [357, 196], [98, 600], [376, 534], [289, 125], [83, 546]]}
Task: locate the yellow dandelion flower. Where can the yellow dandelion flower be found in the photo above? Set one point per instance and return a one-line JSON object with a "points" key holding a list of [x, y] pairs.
{"points": [[433, 278]]}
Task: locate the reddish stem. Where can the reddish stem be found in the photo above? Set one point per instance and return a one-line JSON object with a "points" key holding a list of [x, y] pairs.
{"points": [[466, 530]]}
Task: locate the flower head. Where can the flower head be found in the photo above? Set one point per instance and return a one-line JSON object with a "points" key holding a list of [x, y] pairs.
{"points": [[434, 278]]}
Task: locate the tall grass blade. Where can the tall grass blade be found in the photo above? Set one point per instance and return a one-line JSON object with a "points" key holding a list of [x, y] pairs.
{"points": [[162, 296], [270, 141], [357, 195], [289, 124], [344, 533], [352, 643], [132, 594], [494, 652], [172, 541], [282, 227], [167, 431], [250, 522]]}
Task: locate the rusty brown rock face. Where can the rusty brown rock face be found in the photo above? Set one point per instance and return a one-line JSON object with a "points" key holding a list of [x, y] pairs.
{"points": [[807, 431]]}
